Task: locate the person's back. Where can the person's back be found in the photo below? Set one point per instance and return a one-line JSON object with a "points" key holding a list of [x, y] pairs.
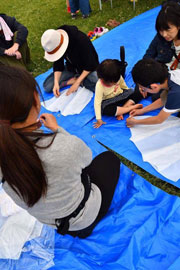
{"points": [[52, 175], [63, 166]]}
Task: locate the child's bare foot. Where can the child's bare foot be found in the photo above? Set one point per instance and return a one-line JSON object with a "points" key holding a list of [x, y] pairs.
{"points": [[137, 106], [119, 117]]}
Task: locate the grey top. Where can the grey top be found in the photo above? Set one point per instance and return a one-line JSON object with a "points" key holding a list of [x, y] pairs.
{"points": [[63, 162]]}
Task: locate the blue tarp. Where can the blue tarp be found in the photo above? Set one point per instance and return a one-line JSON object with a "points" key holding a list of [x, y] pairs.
{"points": [[141, 230], [135, 35]]}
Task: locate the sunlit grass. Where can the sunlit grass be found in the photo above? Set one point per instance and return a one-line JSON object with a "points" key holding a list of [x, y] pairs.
{"points": [[38, 15]]}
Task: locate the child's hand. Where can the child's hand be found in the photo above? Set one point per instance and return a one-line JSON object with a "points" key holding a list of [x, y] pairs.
{"points": [[99, 123], [136, 112], [130, 122], [49, 121], [120, 117]]}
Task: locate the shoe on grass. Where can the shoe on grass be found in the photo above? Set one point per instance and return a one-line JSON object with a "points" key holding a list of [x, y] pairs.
{"points": [[99, 31], [73, 16], [85, 16]]}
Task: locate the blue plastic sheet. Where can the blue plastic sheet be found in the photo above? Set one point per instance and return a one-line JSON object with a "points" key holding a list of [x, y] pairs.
{"points": [[37, 254], [66, 121], [135, 35], [116, 136], [141, 230]]}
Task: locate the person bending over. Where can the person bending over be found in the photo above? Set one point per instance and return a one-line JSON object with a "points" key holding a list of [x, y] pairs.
{"points": [[165, 46], [51, 175], [152, 77], [112, 96], [73, 46]]}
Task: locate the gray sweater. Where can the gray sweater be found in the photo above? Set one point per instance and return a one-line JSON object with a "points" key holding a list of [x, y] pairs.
{"points": [[63, 162]]}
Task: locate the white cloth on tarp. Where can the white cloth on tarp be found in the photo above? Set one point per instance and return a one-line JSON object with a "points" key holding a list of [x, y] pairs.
{"points": [[160, 145], [69, 105], [17, 227], [7, 206]]}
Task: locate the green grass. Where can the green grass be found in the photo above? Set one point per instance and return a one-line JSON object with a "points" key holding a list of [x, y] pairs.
{"points": [[39, 15]]}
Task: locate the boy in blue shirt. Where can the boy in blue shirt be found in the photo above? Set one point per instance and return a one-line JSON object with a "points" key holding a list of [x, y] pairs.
{"points": [[152, 76]]}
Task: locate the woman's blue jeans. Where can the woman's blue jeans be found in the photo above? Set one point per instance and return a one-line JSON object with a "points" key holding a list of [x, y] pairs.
{"points": [[89, 82]]}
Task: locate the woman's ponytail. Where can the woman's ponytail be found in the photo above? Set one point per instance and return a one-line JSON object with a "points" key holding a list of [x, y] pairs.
{"points": [[20, 165]]}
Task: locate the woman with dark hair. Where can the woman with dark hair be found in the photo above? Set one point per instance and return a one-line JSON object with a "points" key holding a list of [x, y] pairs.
{"points": [[51, 175], [165, 47]]}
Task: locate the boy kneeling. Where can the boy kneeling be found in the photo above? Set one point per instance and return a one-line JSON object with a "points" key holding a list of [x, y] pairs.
{"points": [[152, 76]]}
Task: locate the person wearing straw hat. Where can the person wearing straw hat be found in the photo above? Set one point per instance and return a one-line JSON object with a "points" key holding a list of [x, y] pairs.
{"points": [[14, 50], [68, 44]]}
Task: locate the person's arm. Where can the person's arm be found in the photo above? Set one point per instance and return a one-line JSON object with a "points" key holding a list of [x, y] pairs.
{"points": [[22, 33], [50, 122], [97, 105], [77, 83], [12, 51], [77, 145], [85, 154], [21, 30], [158, 119], [57, 76], [153, 106], [151, 52]]}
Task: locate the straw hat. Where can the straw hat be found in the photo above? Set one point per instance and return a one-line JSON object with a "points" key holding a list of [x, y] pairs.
{"points": [[55, 43]]}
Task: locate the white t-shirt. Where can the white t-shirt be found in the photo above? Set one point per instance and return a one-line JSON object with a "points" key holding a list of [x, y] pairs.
{"points": [[177, 49]]}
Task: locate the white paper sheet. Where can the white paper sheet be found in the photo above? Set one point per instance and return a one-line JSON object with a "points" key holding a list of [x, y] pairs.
{"points": [[160, 145], [7, 206], [69, 105], [17, 227]]}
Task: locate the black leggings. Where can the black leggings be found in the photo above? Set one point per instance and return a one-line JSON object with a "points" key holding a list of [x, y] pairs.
{"points": [[104, 172], [112, 108]]}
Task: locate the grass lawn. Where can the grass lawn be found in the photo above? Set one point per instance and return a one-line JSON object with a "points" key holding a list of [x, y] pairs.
{"points": [[39, 15]]}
